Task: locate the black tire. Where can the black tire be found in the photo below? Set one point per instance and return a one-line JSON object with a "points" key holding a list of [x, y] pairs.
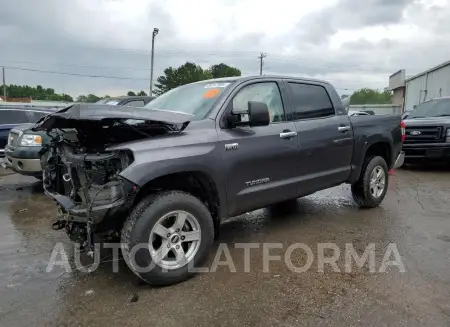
{"points": [[361, 189], [139, 224]]}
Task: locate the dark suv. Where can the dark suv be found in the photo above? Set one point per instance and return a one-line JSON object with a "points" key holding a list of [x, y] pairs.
{"points": [[428, 131]]}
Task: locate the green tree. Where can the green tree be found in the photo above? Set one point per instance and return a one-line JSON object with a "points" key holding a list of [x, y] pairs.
{"points": [[35, 93], [91, 98], [131, 94], [222, 70], [142, 93], [82, 98], [370, 96], [185, 74]]}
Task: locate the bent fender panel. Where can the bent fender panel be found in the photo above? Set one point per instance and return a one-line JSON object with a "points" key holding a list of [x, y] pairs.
{"points": [[143, 170]]}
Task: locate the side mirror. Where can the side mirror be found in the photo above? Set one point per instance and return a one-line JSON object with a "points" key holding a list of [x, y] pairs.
{"points": [[256, 115]]}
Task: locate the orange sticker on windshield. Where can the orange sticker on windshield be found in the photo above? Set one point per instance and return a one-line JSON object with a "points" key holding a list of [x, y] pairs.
{"points": [[211, 93]]}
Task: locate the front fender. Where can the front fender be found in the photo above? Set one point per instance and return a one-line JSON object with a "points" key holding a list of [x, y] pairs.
{"points": [[151, 164]]}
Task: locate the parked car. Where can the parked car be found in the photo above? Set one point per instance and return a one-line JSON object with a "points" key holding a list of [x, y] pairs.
{"points": [[23, 157], [204, 152], [358, 113], [428, 131], [11, 118], [131, 101]]}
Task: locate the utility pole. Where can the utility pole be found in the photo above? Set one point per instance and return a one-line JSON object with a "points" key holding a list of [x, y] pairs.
{"points": [[261, 57], [4, 83], [155, 32]]}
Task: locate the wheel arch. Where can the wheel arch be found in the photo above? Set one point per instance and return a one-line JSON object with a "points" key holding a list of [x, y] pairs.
{"points": [[377, 147]]}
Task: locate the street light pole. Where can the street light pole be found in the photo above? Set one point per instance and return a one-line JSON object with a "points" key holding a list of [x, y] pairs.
{"points": [[155, 32], [4, 84]]}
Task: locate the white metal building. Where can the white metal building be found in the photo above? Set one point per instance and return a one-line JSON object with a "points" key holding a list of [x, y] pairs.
{"points": [[432, 83]]}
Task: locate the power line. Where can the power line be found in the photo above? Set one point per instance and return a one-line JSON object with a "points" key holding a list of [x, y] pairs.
{"points": [[249, 54], [74, 65], [75, 74], [144, 79]]}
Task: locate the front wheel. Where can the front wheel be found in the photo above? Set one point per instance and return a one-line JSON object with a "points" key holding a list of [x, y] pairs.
{"points": [[370, 190], [167, 235]]}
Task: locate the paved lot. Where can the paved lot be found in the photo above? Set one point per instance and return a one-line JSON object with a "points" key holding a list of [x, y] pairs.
{"points": [[415, 216]]}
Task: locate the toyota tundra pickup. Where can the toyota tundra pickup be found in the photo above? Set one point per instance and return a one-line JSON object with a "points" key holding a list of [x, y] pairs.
{"points": [[162, 177]]}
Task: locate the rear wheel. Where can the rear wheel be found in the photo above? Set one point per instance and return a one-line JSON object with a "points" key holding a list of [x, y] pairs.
{"points": [[166, 235], [372, 185]]}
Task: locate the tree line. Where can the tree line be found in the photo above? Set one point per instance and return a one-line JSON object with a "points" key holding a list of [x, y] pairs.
{"points": [[174, 77], [49, 94], [36, 93]]}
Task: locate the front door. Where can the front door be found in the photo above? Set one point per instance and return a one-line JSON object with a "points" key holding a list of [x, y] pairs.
{"points": [[260, 162]]}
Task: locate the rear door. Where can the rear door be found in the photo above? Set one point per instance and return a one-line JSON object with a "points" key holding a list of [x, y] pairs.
{"points": [[325, 137], [260, 163]]}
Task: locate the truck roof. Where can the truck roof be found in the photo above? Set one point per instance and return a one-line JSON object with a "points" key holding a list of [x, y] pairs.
{"points": [[252, 77]]}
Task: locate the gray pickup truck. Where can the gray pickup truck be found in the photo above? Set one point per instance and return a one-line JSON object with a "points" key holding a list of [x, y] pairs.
{"points": [[428, 132], [164, 176]]}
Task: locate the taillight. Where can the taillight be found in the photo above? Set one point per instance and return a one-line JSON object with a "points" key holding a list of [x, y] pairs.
{"points": [[403, 128]]}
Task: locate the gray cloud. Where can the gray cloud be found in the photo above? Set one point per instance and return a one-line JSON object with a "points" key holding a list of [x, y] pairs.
{"points": [[63, 36], [318, 27]]}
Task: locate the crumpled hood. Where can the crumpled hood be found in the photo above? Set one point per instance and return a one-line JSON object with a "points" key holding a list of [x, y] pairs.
{"points": [[71, 116]]}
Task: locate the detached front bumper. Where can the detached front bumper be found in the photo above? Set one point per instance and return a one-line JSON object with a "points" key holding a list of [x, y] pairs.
{"points": [[101, 201]]}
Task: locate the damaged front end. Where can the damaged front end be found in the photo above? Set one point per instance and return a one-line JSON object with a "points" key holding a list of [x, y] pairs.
{"points": [[87, 188], [83, 176]]}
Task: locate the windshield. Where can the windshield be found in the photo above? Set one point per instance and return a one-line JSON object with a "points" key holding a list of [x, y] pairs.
{"points": [[195, 99], [435, 108]]}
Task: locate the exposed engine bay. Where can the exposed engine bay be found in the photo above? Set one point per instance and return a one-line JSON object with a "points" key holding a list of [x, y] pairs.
{"points": [[82, 175]]}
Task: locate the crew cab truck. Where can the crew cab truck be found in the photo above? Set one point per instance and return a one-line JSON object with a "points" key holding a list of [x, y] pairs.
{"points": [[428, 132], [163, 177]]}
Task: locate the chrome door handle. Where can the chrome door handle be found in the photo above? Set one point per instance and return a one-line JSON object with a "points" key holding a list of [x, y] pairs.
{"points": [[343, 128], [288, 135]]}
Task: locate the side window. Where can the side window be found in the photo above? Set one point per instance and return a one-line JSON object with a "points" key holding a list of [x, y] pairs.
{"points": [[135, 103], [266, 92], [13, 117], [309, 101]]}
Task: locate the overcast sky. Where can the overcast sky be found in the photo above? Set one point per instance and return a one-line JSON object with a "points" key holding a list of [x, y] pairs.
{"points": [[351, 43]]}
